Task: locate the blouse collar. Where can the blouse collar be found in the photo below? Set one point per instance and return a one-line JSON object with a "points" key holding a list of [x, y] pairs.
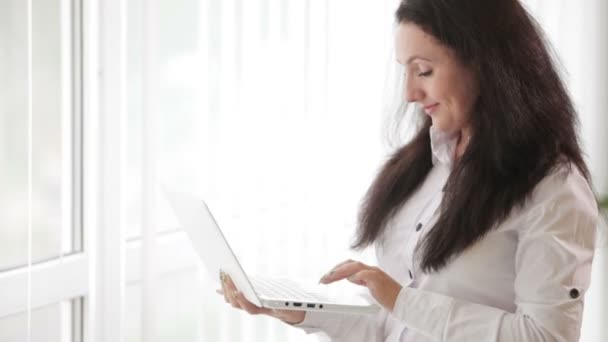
{"points": [[443, 146]]}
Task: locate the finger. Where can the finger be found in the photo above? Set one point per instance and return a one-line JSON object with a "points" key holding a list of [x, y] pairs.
{"points": [[226, 296], [343, 263], [233, 298], [231, 291], [363, 278], [344, 271], [225, 291], [223, 285], [230, 284], [333, 270], [283, 315], [248, 306]]}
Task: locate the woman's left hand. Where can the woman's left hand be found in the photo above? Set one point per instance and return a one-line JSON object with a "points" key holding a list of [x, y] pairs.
{"points": [[384, 288]]}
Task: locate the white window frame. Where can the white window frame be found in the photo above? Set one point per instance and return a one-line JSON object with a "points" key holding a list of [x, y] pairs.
{"points": [[66, 277], [104, 113]]}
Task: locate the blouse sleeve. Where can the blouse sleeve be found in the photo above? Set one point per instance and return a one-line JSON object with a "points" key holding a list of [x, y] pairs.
{"points": [[343, 327], [553, 266]]}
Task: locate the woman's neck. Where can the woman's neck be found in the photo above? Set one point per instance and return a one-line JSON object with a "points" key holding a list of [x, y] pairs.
{"points": [[463, 141]]}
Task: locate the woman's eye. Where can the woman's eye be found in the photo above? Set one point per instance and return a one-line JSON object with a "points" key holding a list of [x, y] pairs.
{"points": [[426, 73]]}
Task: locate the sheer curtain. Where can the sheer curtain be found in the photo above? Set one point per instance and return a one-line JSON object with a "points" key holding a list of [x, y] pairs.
{"points": [[271, 110]]}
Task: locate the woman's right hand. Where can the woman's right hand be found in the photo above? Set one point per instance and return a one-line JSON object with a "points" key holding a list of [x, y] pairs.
{"points": [[236, 298]]}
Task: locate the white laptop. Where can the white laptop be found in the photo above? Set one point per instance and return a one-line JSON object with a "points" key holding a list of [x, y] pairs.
{"points": [[278, 293]]}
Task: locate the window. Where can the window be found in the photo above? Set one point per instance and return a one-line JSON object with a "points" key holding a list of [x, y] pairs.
{"points": [[269, 109], [40, 150], [55, 322]]}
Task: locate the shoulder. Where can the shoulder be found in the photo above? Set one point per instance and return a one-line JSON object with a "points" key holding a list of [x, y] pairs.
{"points": [[565, 184], [562, 200]]}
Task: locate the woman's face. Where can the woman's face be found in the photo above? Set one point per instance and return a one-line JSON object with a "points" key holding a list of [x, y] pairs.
{"points": [[435, 79]]}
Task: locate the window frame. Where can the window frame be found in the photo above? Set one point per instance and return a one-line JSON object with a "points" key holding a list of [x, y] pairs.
{"points": [[64, 277]]}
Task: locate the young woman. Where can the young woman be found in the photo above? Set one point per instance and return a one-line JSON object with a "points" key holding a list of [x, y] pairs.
{"points": [[484, 223]]}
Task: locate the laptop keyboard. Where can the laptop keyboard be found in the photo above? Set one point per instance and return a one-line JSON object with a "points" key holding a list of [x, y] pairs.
{"points": [[279, 288]]}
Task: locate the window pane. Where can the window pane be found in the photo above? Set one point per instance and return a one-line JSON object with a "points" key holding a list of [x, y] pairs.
{"points": [[52, 323], [51, 99]]}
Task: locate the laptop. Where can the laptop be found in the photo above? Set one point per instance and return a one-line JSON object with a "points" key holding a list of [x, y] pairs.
{"points": [[216, 254]]}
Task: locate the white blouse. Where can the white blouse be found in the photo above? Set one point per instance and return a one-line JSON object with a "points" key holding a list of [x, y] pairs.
{"points": [[524, 281]]}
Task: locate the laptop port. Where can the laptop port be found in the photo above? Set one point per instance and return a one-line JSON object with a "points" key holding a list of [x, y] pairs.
{"points": [[310, 306], [297, 304], [286, 303]]}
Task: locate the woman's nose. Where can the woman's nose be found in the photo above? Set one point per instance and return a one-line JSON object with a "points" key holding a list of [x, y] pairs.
{"points": [[412, 91]]}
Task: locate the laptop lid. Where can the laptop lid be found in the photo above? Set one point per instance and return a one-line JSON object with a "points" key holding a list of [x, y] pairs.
{"points": [[209, 242]]}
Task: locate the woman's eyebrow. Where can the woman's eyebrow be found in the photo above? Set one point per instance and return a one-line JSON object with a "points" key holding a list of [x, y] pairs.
{"points": [[412, 58]]}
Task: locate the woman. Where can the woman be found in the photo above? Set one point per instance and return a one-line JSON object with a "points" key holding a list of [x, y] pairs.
{"points": [[484, 223]]}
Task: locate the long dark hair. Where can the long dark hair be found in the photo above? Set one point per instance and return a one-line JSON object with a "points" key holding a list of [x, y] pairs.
{"points": [[523, 126]]}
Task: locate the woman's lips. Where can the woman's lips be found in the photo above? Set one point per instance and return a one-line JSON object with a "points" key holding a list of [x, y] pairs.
{"points": [[431, 109]]}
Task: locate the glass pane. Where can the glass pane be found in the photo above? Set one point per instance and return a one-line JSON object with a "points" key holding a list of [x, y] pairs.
{"points": [[51, 128], [52, 323]]}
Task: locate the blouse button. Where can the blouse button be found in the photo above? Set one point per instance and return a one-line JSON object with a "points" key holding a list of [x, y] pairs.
{"points": [[410, 272], [418, 227], [574, 293]]}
